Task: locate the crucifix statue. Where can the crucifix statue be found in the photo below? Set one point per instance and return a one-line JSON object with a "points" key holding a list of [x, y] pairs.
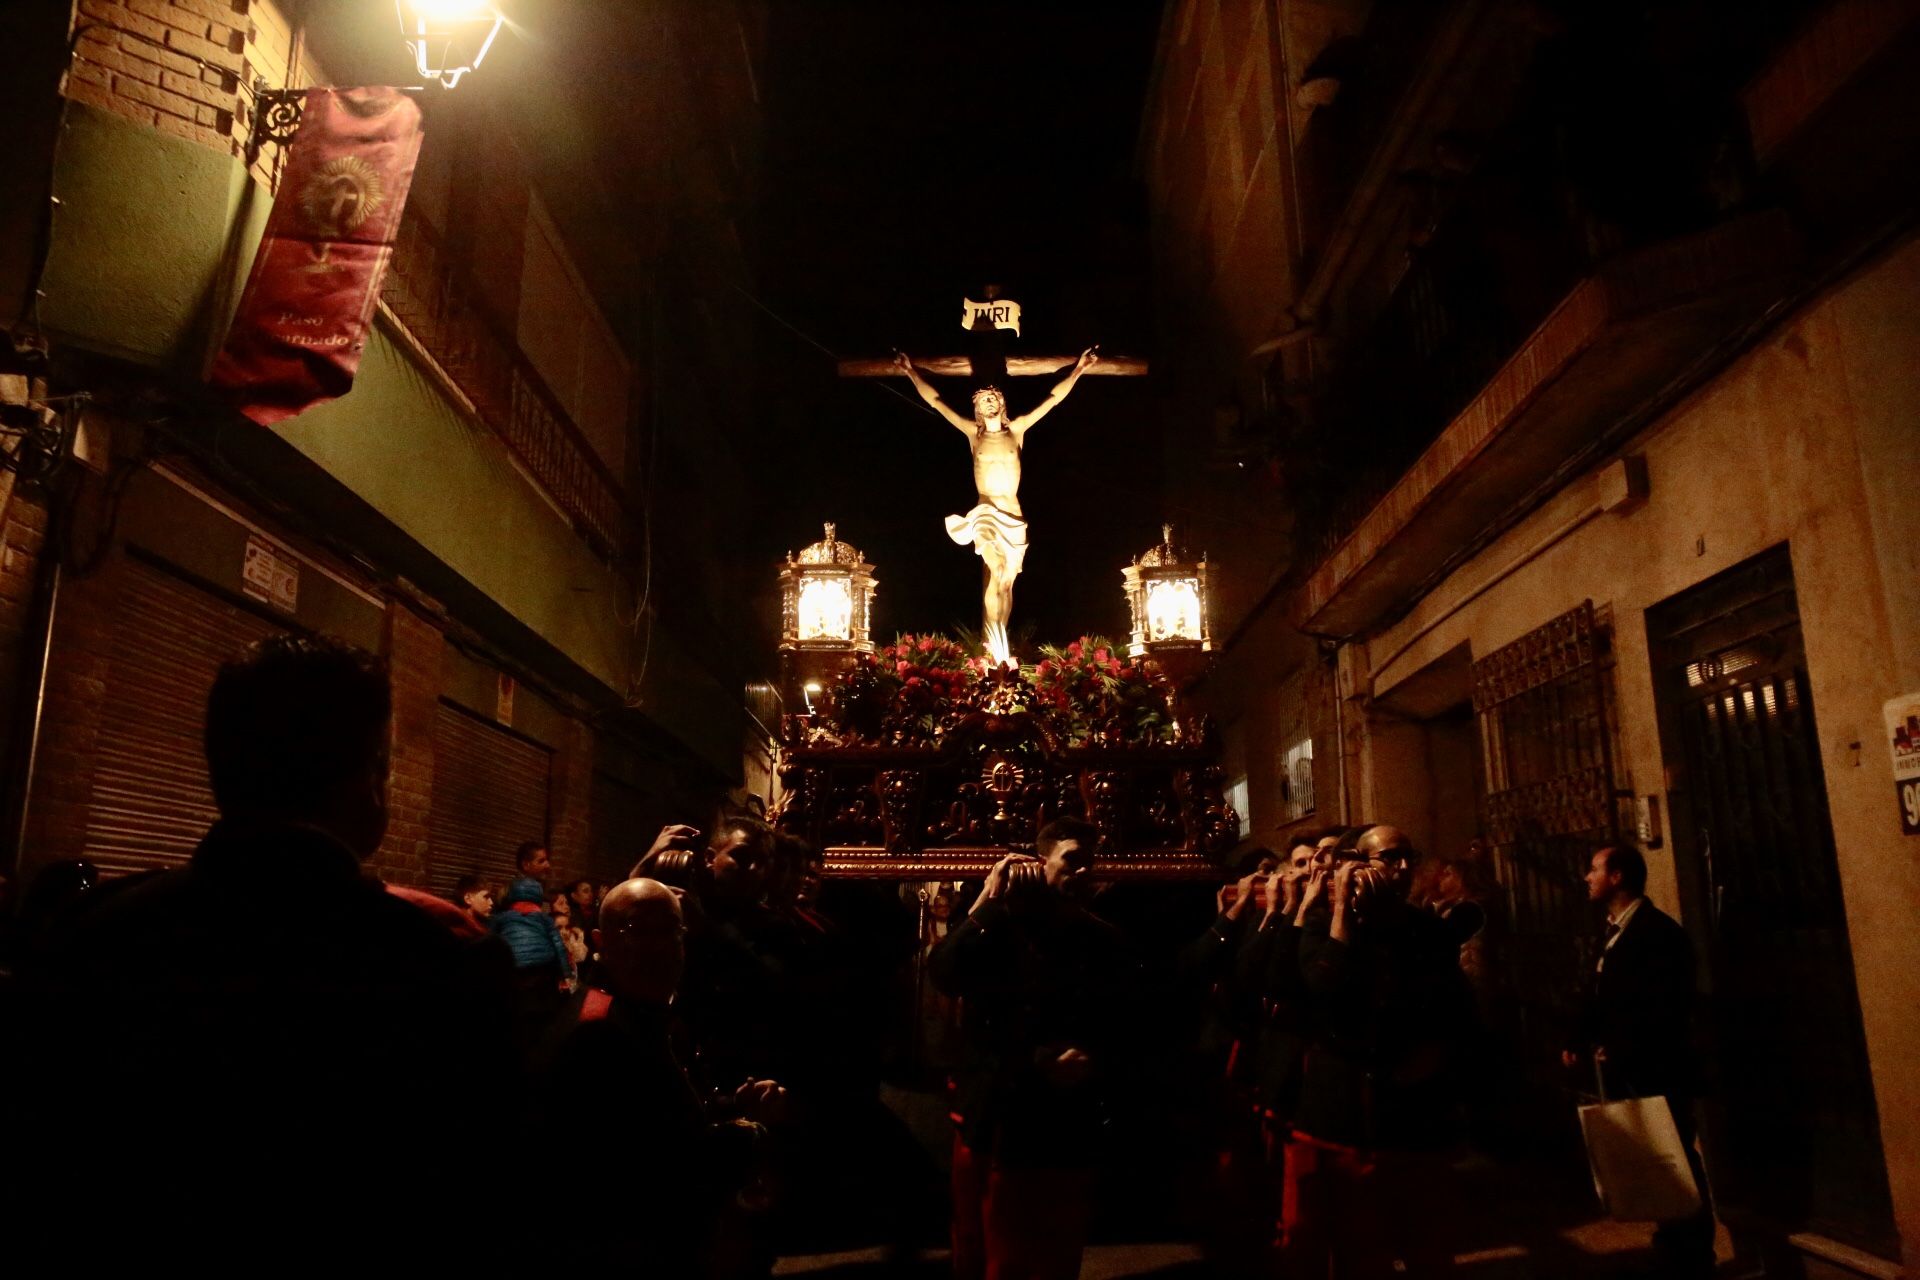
{"points": [[996, 527]]}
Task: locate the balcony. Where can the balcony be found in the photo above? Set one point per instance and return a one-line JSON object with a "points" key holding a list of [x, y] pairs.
{"points": [[1614, 346], [436, 306]]}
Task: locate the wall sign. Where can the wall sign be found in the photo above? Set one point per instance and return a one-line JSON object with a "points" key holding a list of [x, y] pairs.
{"points": [[270, 575], [1903, 740]]}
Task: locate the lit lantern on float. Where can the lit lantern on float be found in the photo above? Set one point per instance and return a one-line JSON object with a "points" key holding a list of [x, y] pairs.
{"points": [[1167, 593], [826, 602]]}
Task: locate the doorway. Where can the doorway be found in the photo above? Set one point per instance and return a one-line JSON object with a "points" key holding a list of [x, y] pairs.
{"points": [[1798, 1143]]}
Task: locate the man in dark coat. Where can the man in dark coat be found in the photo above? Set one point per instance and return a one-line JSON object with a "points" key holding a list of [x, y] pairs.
{"points": [[1637, 1029], [1367, 1175], [1041, 978], [224, 1043], [660, 1179]]}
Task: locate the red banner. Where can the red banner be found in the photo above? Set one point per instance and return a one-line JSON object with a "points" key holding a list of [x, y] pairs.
{"points": [[302, 324]]}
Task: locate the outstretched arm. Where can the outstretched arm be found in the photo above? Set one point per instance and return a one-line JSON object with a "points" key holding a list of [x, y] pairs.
{"points": [[927, 393], [1087, 360]]}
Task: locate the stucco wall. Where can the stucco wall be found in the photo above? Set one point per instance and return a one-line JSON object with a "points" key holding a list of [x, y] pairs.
{"points": [[1267, 693], [1809, 439]]}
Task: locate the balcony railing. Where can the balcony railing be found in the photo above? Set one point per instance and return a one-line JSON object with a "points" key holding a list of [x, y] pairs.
{"points": [[432, 297]]}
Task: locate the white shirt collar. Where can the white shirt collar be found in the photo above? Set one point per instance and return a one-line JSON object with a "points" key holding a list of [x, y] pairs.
{"points": [[1619, 922]]}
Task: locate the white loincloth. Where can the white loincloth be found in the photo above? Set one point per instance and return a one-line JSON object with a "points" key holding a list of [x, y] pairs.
{"points": [[997, 526]]}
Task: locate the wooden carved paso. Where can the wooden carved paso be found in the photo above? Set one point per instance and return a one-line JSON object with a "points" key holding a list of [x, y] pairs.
{"points": [[943, 787], [1212, 827], [1002, 777], [1105, 794], [900, 793], [803, 794], [853, 814], [1162, 816], [961, 819]]}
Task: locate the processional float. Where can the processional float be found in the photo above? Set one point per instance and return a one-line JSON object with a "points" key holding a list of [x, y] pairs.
{"points": [[921, 759]]}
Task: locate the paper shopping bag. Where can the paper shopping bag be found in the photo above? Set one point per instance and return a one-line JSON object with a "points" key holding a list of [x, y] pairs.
{"points": [[1639, 1165]]}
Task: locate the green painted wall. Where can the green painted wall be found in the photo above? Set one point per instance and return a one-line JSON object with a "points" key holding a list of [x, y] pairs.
{"points": [[449, 484], [134, 268], [154, 237]]}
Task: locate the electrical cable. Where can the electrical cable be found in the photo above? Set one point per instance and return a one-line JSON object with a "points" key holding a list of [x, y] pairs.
{"points": [[828, 351]]}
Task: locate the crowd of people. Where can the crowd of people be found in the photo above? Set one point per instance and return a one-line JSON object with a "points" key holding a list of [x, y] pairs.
{"points": [[231, 1059]]}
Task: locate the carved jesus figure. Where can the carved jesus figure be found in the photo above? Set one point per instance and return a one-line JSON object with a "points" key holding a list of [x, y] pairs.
{"points": [[996, 527]]}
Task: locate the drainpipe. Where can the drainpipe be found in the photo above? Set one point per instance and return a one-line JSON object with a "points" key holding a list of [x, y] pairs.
{"points": [[47, 597], [1340, 738]]}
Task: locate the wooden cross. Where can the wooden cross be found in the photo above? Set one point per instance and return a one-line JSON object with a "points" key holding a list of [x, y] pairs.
{"points": [[987, 351], [1017, 366]]}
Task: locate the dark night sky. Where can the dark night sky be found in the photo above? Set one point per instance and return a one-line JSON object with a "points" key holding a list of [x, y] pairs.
{"points": [[914, 152]]}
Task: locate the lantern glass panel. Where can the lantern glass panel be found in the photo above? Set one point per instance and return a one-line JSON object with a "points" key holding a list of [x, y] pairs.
{"points": [[1173, 609], [449, 38], [825, 609]]}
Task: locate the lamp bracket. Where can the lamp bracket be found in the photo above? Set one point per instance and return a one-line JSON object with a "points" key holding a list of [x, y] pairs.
{"points": [[276, 117]]}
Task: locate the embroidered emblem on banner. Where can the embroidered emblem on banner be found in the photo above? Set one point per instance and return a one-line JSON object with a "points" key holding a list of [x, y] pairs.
{"points": [[340, 196]]}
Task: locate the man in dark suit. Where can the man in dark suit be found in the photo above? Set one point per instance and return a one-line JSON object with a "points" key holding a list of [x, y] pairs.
{"points": [[1044, 982], [1637, 1028], [1382, 1007]]}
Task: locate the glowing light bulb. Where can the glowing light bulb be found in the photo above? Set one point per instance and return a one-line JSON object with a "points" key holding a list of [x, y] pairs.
{"points": [[1173, 609], [448, 38], [825, 609]]}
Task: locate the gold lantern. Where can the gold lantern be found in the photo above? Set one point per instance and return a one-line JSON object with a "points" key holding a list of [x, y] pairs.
{"points": [[826, 603], [826, 598], [1167, 592]]}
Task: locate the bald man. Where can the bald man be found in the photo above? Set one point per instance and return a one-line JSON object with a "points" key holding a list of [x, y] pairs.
{"points": [[642, 941], [1367, 1159], [659, 1169]]}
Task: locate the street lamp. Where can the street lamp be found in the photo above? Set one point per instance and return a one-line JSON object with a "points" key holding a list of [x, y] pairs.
{"points": [[1167, 594], [448, 37]]}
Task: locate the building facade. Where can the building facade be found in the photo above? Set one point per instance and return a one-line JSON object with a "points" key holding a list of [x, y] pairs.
{"points": [[1559, 361], [504, 506]]}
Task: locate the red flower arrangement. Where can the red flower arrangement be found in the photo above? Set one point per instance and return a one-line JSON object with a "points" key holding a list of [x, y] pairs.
{"points": [[1097, 694], [908, 687], [908, 691]]}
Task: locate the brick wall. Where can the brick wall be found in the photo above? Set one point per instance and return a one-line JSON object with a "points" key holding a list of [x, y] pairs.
{"points": [[23, 528], [174, 65], [188, 67], [415, 649]]}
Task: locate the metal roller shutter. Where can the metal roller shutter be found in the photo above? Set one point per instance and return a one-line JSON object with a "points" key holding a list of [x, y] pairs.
{"points": [[489, 795], [625, 821], [151, 800]]}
